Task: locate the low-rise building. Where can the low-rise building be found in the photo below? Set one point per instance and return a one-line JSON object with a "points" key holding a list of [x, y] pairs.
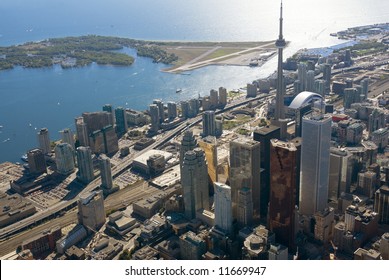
{"points": [[43, 242], [169, 249], [363, 254], [192, 246], [120, 223], [14, 208], [143, 143], [140, 163], [146, 253], [77, 234], [147, 207]]}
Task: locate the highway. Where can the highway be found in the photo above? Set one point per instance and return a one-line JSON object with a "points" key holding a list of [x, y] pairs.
{"points": [[52, 211], [117, 200]]}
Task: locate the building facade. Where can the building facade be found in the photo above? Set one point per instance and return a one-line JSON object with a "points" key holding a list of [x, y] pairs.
{"points": [[44, 140], [85, 165], [283, 191], [245, 169], [64, 158], [315, 160], [223, 207], [91, 213]]}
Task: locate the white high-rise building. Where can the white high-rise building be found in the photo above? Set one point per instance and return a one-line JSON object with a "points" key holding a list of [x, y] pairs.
{"points": [[82, 132], [44, 140], [67, 137], [223, 207], [315, 160], [310, 81], [64, 158], [85, 164], [105, 172], [302, 76]]}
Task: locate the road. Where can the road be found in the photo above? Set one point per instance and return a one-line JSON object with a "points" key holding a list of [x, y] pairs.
{"points": [[188, 66], [115, 199]]}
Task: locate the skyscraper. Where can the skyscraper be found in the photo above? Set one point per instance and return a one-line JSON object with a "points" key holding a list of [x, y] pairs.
{"points": [[209, 123], [209, 145], [349, 97], [327, 77], [222, 96], [245, 207], [284, 174], [64, 158], [161, 111], [185, 109], [82, 132], [91, 213], [85, 165], [194, 181], [223, 207], [188, 143], [213, 94], [171, 110], [106, 173], [245, 171], [365, 87], [154, 114], [121, 121], [36, 161], [263, 136], [302, 76], [280, 44], [109, 108], [315, 159], [97, 120], [67, 137], [340, 172], [381, 204], [44, 140], [104, 141], [310, 81]]}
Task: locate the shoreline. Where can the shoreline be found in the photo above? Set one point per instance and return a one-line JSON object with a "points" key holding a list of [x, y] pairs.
{"points": [[79, 51], [254, 57]]}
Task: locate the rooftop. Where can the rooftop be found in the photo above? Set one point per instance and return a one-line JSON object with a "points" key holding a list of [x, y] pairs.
{"points": [[142, 160]]}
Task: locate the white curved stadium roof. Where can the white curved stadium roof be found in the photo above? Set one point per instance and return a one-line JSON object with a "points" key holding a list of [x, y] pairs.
{"points": [[304, 98]]}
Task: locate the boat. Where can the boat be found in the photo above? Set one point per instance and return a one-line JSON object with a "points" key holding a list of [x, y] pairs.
{"points": [[24, 158], [178, 90]]}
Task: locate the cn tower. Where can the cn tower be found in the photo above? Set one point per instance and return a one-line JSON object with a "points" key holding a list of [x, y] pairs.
{"points": [[280, 44]]}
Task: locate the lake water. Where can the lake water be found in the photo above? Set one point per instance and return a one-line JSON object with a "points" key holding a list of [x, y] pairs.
{"points": [[53, 97]]}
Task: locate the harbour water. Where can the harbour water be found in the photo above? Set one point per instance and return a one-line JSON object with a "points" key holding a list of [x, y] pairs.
{"points": [[53, 97]]}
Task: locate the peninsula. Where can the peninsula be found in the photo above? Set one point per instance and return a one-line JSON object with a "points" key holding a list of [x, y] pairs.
{"points": [[105, 50]]}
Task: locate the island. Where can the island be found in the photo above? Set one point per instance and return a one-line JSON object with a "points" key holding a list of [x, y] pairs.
{"points": [[105, 50]]}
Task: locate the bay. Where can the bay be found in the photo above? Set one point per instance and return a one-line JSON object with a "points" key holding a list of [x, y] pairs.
{"points": [[53, 97]]}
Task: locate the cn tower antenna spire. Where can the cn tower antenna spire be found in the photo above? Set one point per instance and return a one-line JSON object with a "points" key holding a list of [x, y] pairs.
{"points": [[280, 44], [281, 19]]}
